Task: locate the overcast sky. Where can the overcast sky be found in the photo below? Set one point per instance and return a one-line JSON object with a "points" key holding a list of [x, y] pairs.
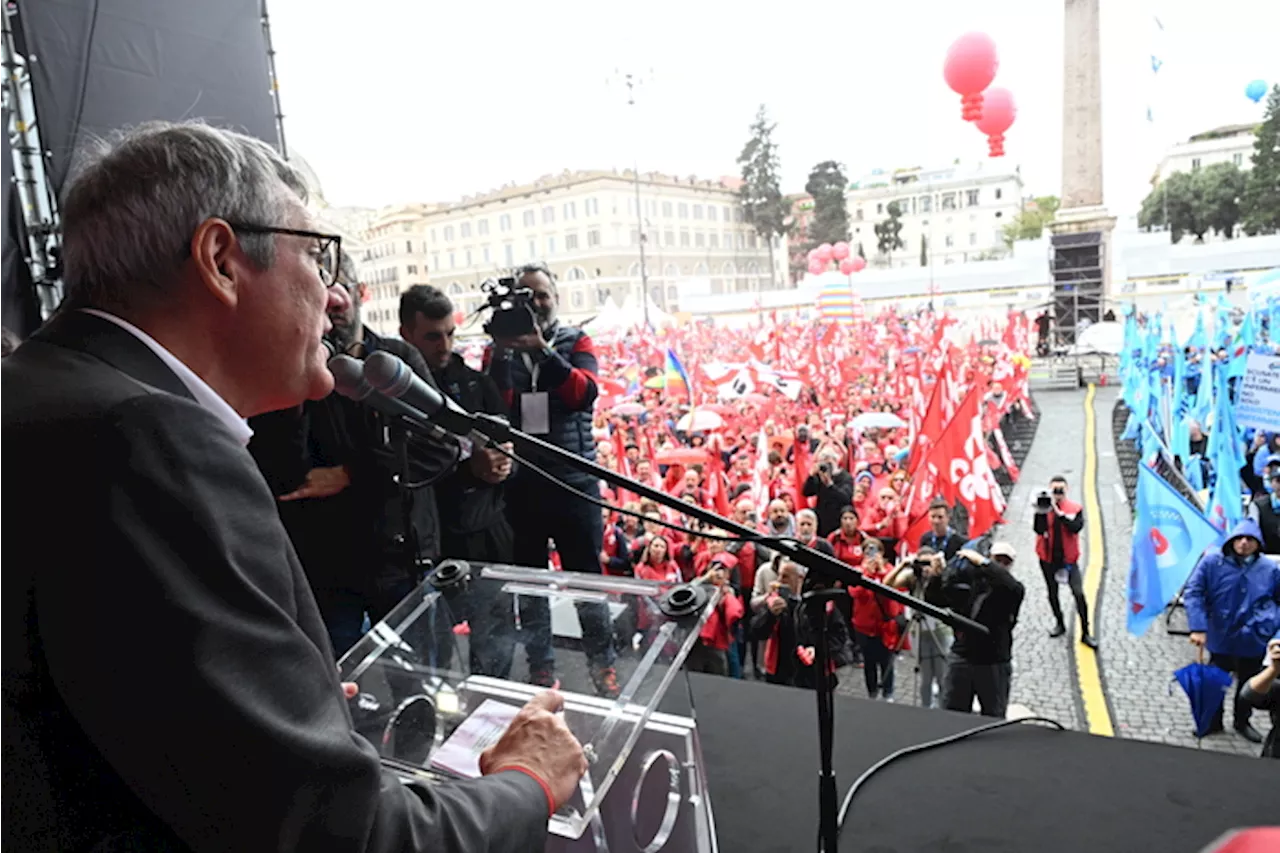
{"points": [[418, 100]]}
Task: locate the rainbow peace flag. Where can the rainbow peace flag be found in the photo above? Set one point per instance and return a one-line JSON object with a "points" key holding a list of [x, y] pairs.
{"points": [[675, 374]]}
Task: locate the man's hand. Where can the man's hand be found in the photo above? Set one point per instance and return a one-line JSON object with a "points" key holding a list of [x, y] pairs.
{"points": [[529, 341], [539, 742], [491, 466], [1198, 638], [320, 483], [1273, 654], [776, 604]]}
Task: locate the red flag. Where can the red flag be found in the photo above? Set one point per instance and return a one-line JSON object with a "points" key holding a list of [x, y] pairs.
{"points": [[930, 426]]}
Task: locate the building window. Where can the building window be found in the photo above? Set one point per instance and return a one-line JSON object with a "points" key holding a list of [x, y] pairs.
{"points": [[949, 241], [999, 193], [533, 250], [714, 239], [570, 242], [631, 205], [570, 210], [485, 254], [699, 240], [448, 233], [742, 240], [435, 260], [682, 210], [711, 212], [973, 239], [468, 257], [509, 255], [924, 204], [728, 240], [530, 219], [593, 237], [684, 239], [576, 298], [948, 201], [858, 215], [464, 230], [666, 209], [504, 222], [635, 237], [1237, 158], [482, 228], [697, 211], [433, 235], [971, 198], [879, 207], [728, 217], [591, 207], [411, 269], [453, 260], [1195, 163], [548, 215], [575, 274]]}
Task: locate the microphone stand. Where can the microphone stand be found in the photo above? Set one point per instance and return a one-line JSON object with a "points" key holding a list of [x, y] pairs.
{"points": [[820, 565]]}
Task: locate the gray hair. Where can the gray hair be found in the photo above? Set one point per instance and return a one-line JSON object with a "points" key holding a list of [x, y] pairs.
{"points": [[136, 200], [807, 513]]}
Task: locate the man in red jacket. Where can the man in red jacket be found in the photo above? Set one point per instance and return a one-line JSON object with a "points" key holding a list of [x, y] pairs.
{"points": [[1057, 524]]}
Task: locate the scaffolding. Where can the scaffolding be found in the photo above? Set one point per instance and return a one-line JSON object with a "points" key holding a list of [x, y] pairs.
{"points": [[41, 226]]}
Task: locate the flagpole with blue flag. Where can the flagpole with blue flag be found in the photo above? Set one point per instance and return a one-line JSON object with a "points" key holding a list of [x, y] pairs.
{"points": [[1169, 536]]}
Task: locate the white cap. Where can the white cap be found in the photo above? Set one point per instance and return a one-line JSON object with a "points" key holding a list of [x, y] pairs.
{"points": [[1003, 549]]}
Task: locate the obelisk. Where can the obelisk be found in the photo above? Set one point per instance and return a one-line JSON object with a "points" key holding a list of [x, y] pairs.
{"points": [[1082, 228]]}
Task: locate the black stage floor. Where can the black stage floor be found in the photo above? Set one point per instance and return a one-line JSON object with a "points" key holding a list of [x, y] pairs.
{"points": [[1023, 789]]}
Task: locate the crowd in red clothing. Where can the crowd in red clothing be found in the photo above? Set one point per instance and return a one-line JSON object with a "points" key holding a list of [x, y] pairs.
{"points": [[787, 449]]}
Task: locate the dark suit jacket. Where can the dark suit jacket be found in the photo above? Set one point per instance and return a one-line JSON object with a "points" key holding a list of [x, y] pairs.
{"points": [[168, 683]]}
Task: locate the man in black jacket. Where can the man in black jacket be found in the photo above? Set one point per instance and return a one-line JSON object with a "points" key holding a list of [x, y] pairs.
{"points": [[472, 509], [834, 489], [196, 298], [340, 487], [987, 592], [1265, 507]]}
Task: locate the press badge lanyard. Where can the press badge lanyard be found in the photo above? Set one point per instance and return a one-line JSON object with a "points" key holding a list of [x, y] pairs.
{"points": [[535, 408]]}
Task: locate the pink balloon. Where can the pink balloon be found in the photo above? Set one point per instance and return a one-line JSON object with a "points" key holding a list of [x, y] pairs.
{"points": [[998, 112], [823, 252], [846, 266], [859, 263], [459, 316], [840, 251], [971, 63], [816, 266]]}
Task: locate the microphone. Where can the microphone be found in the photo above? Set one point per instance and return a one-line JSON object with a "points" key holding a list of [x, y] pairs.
{"points": [[349, 381], [397, 381]]}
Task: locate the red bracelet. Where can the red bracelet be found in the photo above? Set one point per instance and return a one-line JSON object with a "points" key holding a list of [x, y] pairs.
{"points": [[542, 783]]}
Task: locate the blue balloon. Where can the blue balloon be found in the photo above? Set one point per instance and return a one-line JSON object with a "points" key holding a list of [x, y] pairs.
{"points": [[1255, 90]]}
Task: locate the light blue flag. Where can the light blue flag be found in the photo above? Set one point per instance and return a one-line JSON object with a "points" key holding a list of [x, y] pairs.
{"points": [[1169, 535], [1241, 347], [1227, 452]]}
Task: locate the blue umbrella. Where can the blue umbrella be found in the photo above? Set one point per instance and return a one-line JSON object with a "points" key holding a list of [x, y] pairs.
{"points": [[1206, 687]]}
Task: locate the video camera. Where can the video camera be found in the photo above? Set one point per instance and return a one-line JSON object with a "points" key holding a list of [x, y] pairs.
{"points": [[1044, 502], [512, 307]]}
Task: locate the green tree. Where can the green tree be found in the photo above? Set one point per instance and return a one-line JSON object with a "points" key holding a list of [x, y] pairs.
{"points": [[888, 232], [1030, 222], [1260, 203], [830, 222], [1196, 202], [924, 251], [763, 204]]}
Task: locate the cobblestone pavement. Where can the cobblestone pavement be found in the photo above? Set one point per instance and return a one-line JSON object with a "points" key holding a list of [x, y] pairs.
{"points": [[1137, 671]]}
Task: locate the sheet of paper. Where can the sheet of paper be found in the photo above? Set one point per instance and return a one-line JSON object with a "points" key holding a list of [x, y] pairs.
{"points": [[460, 754]]}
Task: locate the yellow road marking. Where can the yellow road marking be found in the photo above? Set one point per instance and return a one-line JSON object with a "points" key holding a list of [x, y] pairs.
{"points": [[1088, 674]]}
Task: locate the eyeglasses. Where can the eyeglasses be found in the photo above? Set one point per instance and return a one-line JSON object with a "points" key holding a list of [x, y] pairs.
{"points": [[328, 249]]}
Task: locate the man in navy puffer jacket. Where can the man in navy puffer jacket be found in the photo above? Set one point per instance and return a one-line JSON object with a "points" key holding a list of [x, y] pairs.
{"points": [[1233, 608]]}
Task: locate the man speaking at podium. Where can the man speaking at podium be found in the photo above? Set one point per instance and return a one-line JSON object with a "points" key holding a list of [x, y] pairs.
{"points": [[168, 682]]}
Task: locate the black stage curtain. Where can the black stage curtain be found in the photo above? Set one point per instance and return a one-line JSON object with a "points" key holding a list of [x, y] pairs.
{"points": [[1018, 789], [108, 64]]}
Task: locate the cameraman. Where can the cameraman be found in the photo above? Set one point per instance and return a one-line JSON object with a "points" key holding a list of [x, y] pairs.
{"points": [[933, 639], [986, 591], [337, 481], [833, 488], [1057, 524], [547, 377]]}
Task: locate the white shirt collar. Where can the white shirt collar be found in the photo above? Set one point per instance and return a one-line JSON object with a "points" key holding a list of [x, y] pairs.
{"points": [[200, 390]]}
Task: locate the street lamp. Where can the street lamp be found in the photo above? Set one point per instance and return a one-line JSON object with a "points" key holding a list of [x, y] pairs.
{"points": [[631, 82]]}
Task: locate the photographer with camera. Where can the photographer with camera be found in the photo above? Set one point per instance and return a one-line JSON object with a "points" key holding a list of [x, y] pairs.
{"points": [[337, 481], [833, 487], [785, 622], [932, 638], [1057, 524], [985, 590], [546, 373]]}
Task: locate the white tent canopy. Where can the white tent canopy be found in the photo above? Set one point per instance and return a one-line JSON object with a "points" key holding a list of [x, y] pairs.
{"points": [[610, 319], [633, 310]]}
